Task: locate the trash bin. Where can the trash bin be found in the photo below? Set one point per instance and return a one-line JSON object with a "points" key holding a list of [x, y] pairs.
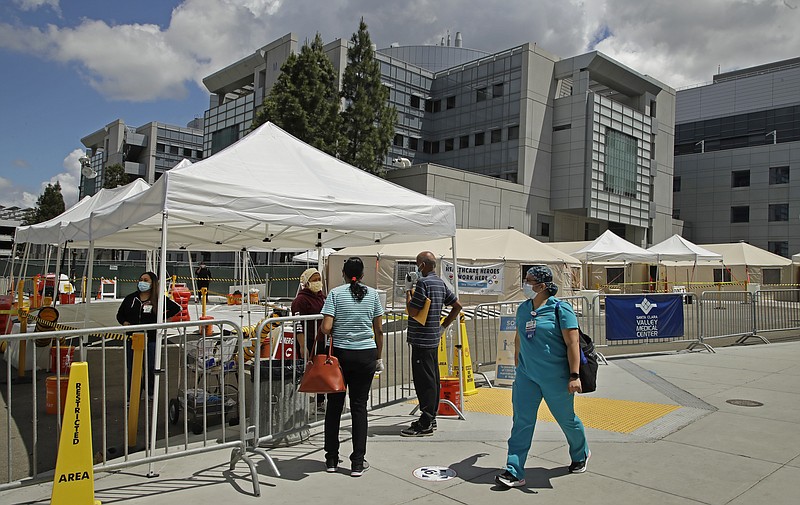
{"points": [[283, 410]]}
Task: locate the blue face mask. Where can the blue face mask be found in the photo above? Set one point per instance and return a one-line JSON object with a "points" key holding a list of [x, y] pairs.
{"points": [[143, 286], [527, 289]]}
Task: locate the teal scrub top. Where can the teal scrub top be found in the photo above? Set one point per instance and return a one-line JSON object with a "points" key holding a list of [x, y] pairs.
{"points": [[542, 351]]}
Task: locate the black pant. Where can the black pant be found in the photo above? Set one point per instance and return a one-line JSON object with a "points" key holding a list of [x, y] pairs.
{"points": [[425, 370], [358, 368]]}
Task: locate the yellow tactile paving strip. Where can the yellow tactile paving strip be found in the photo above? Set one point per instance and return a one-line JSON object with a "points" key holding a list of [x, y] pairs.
{"points": [[621, 416]]}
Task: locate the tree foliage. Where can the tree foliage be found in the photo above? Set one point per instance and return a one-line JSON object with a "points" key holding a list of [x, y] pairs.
{"points": [[304, 100], [115, 176], [368, 122], [49, 205]]}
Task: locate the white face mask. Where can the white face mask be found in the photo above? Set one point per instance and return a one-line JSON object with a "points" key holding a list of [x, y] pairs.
{"points": [[315, 286], [527, 289]]}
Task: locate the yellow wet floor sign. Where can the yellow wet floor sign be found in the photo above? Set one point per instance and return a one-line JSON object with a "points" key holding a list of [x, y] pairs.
{"points": [[73, 482], [469, 378]]}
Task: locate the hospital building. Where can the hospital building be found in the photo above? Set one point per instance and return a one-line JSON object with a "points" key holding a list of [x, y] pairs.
{"points": [[558, 148]]}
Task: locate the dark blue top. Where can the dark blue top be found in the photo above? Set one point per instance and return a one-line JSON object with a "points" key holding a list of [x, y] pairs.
{"points": [[430, 286]]}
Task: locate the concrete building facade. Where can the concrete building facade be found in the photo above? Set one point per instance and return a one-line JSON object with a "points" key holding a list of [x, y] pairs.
{"points": [[146, 152], [737, 158], [584, 143]]}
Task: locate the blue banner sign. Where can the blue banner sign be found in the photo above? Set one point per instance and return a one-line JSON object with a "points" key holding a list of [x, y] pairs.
{"points": [[644, 317]]}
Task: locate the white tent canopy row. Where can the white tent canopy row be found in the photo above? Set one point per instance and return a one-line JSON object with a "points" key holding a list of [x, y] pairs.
{"points": [[266, 191], [677, 248], [611, 247]]}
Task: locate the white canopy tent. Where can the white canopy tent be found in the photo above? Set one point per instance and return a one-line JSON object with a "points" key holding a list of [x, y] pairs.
{"points": [[312, 256], [609, 247], [267, 190], [677, 248]]}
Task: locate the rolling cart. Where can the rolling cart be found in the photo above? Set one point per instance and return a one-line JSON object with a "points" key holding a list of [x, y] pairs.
{"points": [[215, 358]]}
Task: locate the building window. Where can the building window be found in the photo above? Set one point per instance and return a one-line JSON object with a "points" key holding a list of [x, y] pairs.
{"points": [[199, 155], [481, 95], [398, 140], [676, 213], [562, 127], [221, 139], [434, 147], [479, 139], [429, 105], [617, 228], [620, 169], [779, 212], [543, 224], [449, 144], [463, 142], [591, 231], [496, 136], [513, 132], [187, 153], [414, 103], [413, 143], [676, 184], [722, 275], [427, 146], [497, 89], [740, 178], [160, 148], [771, 275], [740, 214], [451, 102], [652, 108], [779, 247], [778, 175]]}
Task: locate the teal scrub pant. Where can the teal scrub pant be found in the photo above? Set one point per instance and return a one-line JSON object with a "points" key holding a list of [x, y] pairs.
{"points": [[526, 395]]}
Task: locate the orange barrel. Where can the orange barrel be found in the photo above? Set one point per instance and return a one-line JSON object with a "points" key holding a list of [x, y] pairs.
{"points": [[450, 390], [50, 394], [66, 298], [64, 361], [206, 330], [6, 303]]}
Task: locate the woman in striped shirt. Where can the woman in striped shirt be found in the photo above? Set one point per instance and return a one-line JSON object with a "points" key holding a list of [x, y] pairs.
{"points": [[353, 317]]}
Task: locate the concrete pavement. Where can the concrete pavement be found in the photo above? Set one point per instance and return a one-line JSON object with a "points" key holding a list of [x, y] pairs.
{"points": [[709, 450]]}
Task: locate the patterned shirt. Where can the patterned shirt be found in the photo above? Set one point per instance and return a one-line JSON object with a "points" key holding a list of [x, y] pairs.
{"points": [[430, 286], [352, 320]]}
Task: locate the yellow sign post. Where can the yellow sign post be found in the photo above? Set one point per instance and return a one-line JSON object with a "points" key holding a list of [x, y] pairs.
{"points": [[73, 482], [137, 344], [444, 365], [469, 378]]}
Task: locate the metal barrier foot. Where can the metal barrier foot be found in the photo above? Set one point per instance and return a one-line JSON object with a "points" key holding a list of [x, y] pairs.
{"points": [[488, 382], [743, 339], [703, 345]]}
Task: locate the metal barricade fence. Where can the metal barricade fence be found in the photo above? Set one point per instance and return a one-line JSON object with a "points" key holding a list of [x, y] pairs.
{"points": [[212, 365], [727, 314], [777, 310], [281, 414]]}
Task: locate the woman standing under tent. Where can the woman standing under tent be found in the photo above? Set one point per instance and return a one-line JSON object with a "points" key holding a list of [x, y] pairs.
{"points": [[353, 317], [547, 356], [141, 307], [308, 302]]}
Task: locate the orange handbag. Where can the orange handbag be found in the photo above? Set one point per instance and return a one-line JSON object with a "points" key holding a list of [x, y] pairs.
{"points": [[323, 375]]}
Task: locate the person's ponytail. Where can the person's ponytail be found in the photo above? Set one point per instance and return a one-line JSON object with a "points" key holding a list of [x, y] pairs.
{"points": [[353, 271]]}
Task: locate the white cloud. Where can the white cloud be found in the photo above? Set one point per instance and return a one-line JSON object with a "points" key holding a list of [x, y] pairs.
{"points": [[20, 163], [30, 5], [678, 41], [13, 195]]}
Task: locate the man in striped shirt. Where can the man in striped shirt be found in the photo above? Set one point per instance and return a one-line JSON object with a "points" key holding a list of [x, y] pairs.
{"points": [[424, 339]]}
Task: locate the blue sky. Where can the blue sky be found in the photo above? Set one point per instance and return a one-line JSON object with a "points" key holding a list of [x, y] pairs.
{"points": [[71, 67]]}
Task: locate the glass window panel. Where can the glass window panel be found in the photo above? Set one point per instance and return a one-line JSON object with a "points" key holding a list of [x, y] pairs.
{"points": [[620, 166]]}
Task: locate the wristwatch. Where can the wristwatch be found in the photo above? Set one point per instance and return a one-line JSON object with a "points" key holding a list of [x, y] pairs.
{"points": [[574, 376]]}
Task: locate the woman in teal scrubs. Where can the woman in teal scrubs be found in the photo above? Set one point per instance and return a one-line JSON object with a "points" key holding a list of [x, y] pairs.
{"points": [[547, 359]]}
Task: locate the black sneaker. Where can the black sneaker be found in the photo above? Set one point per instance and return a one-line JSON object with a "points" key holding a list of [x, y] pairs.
{"points": [[415, 430], [507, 480], [579, 466], [433, 424], [332, 464], [358, 470]]}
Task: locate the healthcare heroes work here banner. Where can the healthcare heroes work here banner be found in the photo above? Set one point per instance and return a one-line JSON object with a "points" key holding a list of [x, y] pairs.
{"points": [[475, 279], [643, 317]]}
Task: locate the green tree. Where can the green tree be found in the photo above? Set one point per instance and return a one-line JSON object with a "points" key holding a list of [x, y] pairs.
{"points": [[368, 122], [115, 176], [304, 100], [49, 205]]}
